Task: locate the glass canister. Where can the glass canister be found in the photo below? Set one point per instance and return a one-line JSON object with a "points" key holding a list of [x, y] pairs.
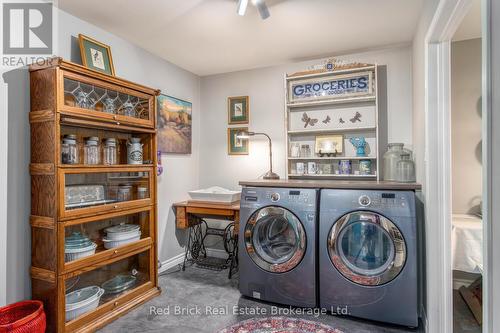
{"points": [[406, 169], [69, 149], [124, 193], [109, 151], [305, 151], [91, 150], [142, 192], [391, 158]]}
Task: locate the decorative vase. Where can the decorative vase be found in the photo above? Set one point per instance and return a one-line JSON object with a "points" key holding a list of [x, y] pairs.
{"points": [[360, 144]]}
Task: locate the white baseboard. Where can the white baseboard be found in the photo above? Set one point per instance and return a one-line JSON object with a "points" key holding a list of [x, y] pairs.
{"points": [[171, 263]]}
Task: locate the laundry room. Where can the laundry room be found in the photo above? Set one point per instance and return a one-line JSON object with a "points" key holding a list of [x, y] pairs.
{"points": [[253, 166]]}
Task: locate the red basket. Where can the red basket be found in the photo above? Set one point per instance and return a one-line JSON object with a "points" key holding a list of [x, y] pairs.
{"points": [[23, 317]]}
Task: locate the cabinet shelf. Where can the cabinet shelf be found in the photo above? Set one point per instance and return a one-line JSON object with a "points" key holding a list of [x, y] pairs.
{"points": [[330, 176], [363, 99], [102, 166], [331, 131], [332, 158]]}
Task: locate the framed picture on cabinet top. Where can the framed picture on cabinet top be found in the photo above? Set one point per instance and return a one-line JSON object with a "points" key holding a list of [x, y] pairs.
{"points": [[329, 145], [238, 110], [236, 145], [96, 55]]}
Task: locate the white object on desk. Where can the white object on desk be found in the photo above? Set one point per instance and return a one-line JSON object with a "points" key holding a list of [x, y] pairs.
{"points": [[467, 243], [215, 194]]}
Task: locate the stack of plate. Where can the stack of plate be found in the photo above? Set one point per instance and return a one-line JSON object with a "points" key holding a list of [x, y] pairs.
{"points": [[122, 234], [78, 246], [82, 300], [119, 283]]}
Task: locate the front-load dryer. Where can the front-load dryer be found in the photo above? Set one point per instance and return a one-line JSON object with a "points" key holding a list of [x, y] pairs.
{"points": [[277, 241], [368, 255]]}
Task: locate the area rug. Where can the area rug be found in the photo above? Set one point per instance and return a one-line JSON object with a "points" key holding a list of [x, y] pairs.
{"points": [[279, 325]]}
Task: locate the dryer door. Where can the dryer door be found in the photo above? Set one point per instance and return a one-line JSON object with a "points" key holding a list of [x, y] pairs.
{"points": [[367, 248], [275, 239]]}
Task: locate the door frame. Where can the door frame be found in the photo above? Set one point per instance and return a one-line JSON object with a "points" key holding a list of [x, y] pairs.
{"points": [[449, 14], [491, 159]]}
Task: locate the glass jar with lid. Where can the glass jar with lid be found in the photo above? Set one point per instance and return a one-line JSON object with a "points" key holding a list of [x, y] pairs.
{"points": [[124, 193], [91, 153], [391, 158], [406, 169], [69, 149], [109, 151], [142, 192]]}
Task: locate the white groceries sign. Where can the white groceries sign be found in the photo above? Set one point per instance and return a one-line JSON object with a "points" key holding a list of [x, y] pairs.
{"points": [[331, 87]]}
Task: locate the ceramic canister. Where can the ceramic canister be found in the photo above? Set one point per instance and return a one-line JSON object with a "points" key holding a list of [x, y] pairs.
{"points": [[345, 167], [365, 167], [312, 168], [134, 151], [300, 168]]}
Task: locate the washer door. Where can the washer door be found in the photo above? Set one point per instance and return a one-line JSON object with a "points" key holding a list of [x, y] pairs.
{"points": [[275, 239], [367, 248]]}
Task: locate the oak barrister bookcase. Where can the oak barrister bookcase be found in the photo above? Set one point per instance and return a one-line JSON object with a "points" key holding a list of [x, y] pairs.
{"points": [[77, 199]]}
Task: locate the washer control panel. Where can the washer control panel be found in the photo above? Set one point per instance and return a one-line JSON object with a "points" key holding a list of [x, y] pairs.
{"points": [[382, 200], [292, 196]]}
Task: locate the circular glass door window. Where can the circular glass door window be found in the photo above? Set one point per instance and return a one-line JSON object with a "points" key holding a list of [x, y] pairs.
{"points": [[275, 239], [367, 248]]}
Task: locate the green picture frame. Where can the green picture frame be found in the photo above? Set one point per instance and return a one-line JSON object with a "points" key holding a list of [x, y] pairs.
{"points": [[96, 55], [238, 109], [236, 146]]}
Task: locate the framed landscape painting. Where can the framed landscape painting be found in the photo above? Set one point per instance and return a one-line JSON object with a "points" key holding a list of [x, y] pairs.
{"points": [[174, 125]]}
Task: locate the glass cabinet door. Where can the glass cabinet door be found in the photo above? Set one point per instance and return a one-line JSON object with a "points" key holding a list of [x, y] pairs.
{"points": [[87, 192], [91, 99], [104, 237], [89, 293]]}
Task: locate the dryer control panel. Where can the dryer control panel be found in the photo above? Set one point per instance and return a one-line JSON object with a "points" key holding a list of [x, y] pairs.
{"points": [[305, 198]]}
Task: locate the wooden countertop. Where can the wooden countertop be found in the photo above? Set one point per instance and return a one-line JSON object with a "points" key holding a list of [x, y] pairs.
{"points": [[333, 184]]}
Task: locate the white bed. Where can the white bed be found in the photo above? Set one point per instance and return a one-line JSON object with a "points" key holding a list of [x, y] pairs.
{"points": [[466, 243]]}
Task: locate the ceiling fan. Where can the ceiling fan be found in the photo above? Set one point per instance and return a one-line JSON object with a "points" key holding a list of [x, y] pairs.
{"points": [[260, 4]]}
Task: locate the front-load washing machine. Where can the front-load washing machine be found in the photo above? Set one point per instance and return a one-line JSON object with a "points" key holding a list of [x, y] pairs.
{"points": [[277, 241], [368, 255]]}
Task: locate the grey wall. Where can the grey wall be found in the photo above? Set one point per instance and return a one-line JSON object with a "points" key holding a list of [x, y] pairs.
{"points": [[466, 122], [267, 97], [180, 175]]}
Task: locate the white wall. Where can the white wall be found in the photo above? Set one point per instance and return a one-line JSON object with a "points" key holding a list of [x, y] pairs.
{"points": [[466, 125], [266, 90], [180, 175]]}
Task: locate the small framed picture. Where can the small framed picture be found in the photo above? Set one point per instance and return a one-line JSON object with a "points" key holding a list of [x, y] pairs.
{"points": [[96, 55], [329, 145], [236, 145], [238, 110]]}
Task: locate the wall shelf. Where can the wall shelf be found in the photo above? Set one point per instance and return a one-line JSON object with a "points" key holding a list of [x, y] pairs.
{"points": [[340, 107]]}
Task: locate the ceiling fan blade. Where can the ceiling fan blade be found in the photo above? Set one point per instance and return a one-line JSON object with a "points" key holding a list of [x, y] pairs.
{"points": [[262, 7], [242, 7]]}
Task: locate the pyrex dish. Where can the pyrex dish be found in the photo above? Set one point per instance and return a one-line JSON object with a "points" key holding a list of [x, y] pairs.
{"points": [[122, 231], [82, 300], [111, 243], [119, 283], [78, 246]]}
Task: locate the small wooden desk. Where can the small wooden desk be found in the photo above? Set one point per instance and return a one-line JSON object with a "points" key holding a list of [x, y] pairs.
{"points": [[187, 213], [190, 214]]}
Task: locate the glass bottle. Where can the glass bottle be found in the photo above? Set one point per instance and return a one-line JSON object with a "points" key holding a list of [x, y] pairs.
{"points": [[91, 151], [69, 149], [109, 151], [406, 169]]}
